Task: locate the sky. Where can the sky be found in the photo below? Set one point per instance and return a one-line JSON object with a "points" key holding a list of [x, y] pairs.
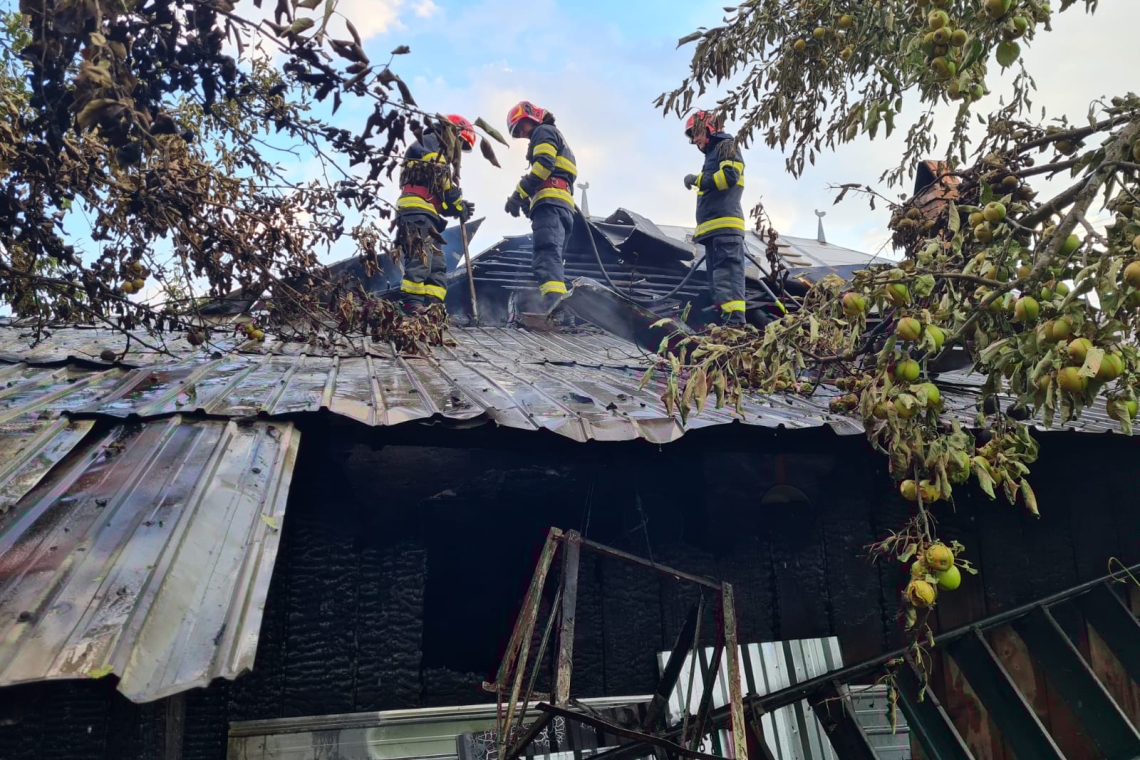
{"points": [[599, 65]]}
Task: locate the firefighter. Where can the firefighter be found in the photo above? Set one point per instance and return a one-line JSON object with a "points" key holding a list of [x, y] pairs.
{"points": [[720, 215], [545, 195], [423, 203]]}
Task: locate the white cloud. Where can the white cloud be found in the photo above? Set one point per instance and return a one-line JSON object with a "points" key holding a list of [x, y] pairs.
{"points": [[426, 9], [371, 18]]}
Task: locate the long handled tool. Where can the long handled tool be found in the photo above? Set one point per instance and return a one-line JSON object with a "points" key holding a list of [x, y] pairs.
{"points": [[470, 274]]}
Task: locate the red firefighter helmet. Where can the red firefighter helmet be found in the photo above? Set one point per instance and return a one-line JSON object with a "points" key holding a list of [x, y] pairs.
{"points": [[709, 119], [466, 130], [524, 111]]}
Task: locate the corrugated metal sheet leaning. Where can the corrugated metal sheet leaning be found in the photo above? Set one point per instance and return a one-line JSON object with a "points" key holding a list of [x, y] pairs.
{"points": [[146, 552]]}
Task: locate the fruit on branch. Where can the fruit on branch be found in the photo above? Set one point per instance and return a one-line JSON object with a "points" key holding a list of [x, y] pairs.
{"points": [[938, 557], [1071, 381], [994, 212], [949, 579], [1120, 408], [1111, 367], [1071, 244], [1132, 272], [1026, 309], [920, 594], [909, 329], [1057, 330], [907, 371], [854, 304], [1078, 349], [898, 294]]}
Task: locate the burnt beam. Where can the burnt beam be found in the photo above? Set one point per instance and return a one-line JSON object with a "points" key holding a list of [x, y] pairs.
{"points": [[1014, 716], [672, 671], [926, 718], [565, 665], [1075, 681], [1110, 617], [680, 575]]}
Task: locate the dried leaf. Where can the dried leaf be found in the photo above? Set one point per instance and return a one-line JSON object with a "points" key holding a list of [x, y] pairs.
{"points": [[1030, 497], [270, 521], [689, 38], [494, 133], [301, 25], [405, 93], [402, 50], [488, 152]]}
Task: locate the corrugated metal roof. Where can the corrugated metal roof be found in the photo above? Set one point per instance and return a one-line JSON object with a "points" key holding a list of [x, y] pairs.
{"points": [[146, 553], [585, 386]]}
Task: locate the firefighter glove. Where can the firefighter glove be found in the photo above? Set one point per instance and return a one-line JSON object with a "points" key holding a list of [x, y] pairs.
{"points": [[690, 180], [514, 205]]}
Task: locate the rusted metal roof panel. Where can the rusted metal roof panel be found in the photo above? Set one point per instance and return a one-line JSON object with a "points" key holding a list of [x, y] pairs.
{"points": [[585, 386], [146, 553]]}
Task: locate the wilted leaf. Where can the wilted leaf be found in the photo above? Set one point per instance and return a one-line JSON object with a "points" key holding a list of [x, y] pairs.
{"points": [[405, 93], [270, 521], [100, 672], [352, 31], [1093, 357], [483, 125], [689, 38], [1030, 497], [94, 110], [402, 50], [488, 152], [301, 25]]}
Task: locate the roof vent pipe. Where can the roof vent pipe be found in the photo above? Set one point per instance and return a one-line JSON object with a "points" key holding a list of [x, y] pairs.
{"points": [[584, 186], [819, 236]]}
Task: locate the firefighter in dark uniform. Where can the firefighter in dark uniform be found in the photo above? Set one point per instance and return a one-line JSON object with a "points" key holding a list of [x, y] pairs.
{"points": [[545, 194], [427, 195], [720, 215]]}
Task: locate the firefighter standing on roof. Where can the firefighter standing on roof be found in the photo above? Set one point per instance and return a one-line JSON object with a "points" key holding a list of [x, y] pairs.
{"points": [[426, 197], [720, 215], [545, 194]]}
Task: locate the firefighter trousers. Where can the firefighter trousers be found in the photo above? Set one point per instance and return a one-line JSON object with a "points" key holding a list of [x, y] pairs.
{"points": [[425, 269], [725, 265], [551, 224]]}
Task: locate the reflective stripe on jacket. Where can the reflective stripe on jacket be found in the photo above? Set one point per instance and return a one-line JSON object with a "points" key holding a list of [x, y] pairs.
{"points": [[550, 158], [451, 201], [720, 189]]}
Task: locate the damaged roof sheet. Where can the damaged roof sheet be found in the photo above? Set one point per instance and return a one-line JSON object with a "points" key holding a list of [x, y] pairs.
{"points": [[146, 553], [585, 386]]}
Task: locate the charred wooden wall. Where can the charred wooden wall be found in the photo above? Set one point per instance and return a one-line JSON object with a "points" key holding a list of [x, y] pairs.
{"points": [[402, 568]]}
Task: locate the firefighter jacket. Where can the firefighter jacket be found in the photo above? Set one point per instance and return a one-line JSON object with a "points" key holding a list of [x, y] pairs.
{"points": [[720, 188], [552, 170], [417, 195]]}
